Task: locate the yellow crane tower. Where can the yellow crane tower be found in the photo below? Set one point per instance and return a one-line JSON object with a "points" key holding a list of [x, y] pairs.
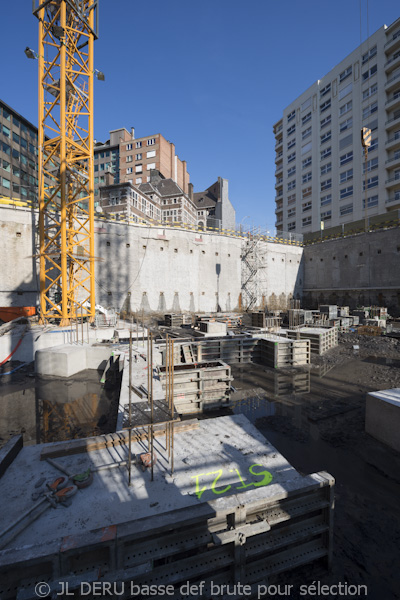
{"points": [[67, 30]]}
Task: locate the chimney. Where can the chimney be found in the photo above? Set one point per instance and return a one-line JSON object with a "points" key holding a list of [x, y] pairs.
{"points": [[190, 186], [133, 133], [108, 178]]}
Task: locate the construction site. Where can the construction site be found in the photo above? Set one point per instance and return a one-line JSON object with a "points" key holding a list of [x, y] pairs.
{"points": [[187, 411]]}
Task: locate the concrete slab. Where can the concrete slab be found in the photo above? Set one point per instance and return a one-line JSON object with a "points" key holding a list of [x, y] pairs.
{"points": [[382, 416], [228, 447], [60, 361]]}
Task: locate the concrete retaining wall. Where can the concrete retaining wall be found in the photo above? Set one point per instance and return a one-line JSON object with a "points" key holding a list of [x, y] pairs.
{"points": [[358, 270], [154, 269]]}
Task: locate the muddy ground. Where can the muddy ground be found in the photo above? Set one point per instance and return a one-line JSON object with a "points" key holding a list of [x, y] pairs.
{"points": [[324, 429]]}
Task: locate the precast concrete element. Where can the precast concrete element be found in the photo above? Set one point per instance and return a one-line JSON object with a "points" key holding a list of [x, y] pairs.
{"points": [[200, 387], [68, 359], [322, 338], [213, 328], [261, 348], [60, 361], [235, 511], [23, 341], [382, 417]]}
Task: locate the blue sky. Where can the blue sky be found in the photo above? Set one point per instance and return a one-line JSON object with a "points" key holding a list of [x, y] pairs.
{"points": [[211, 76]]}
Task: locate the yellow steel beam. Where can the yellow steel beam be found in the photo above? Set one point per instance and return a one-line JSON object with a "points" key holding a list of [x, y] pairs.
{"points": [[66, 178]]}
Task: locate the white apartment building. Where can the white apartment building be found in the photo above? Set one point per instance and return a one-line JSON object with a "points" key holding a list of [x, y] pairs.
{"points": [[320, 163]]}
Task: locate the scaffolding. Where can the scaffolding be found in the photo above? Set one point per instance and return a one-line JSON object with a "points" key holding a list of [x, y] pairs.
{"points": [[250, 268], [67, 31]]}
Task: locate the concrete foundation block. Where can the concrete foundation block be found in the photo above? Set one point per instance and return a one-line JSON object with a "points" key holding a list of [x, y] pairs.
{"points": [[97, 357], [382, 417], [60, 361]]}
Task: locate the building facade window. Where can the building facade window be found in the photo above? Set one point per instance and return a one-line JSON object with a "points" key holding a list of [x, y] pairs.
{"points": [[372, 201], [368, 55], [306, 162], [325, 90], [291, 185], [291, 157], [346, 73], [346, 192], [306, 118], [326, 185], [371, 164], [369, 73], [291, 116], [306, 177], [325, 200], [291, 171], [347, 124], [291, 144], [306, 133], [326, 137], [371, 182], [346, 210], [327, 168], [325, 153], [291, 130], [325, 105], [325, 121], [306, 221], [346, 175], [346, 158]]}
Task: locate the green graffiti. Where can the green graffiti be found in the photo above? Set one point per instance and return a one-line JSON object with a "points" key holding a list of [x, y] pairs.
{"points": [[266, 480]]}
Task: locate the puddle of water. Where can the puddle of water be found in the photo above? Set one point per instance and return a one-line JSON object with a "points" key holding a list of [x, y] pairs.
{"points": [[381, 360], [50, 409]]}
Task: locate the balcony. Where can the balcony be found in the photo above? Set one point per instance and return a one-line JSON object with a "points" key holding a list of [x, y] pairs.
{"points": [[393, 43], [278, 156], [279, 183], [279, 169], [392, 82], [278, 144], [393, 162], [392, 63], [393, 202], [393, 181], [392, 103], [279, 209], [392, 122], [393, 142]]}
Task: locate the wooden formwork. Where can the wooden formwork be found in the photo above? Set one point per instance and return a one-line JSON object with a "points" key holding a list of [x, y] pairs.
{"points": [[201, 386], [321, 339], [244, 538]]}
